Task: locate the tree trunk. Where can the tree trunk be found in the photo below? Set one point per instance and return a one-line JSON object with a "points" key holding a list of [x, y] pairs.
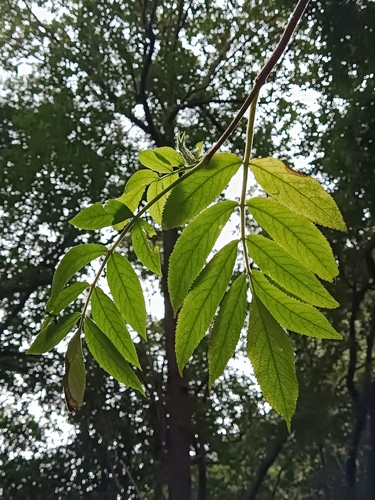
{"points": [[177, 396]]}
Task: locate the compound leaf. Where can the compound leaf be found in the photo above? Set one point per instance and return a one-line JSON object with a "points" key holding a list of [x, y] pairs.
{"points": [[156, 210], [161, 160], [227, 328], [111, 323], [74, 380], [148, 255], [193, 247], [290, 312], [127, 292], [297, 235], [270, 351], [74, 260], [135, 188], [201, 303], [50, 336], [300, 193], [288, 272], [196, 192], [108, 357]]}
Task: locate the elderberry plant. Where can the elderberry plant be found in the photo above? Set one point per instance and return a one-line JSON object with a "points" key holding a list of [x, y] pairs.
{"points": [[279, 270]]}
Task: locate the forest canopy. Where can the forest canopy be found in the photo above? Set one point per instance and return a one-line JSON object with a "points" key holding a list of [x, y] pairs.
{"points": [[85, 86]]}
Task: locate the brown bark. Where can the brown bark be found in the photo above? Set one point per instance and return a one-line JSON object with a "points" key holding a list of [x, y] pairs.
{"points": [[178, 411]]}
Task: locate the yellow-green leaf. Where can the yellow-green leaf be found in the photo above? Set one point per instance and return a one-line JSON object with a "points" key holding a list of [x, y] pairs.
{"points": [[74, 260], [300, 193], [156, 210], [108, 357], [146, 253], [193, 247], [110, 321], [127, 292], [50, 336], [297, 235], [196, 192], [290, 312], [161, 160], [201, 303], [227, 328], [98, 216], [288, 272], [135, 188], [67, 296], [270, 351]]}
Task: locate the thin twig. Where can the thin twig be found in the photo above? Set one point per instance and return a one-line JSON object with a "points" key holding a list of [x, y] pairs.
{"points": [[261, 79], [134, 484]]}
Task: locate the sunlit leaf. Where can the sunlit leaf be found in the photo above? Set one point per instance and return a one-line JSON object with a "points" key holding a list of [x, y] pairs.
{"points": [[67, 296], [288, 272], [135, 188], [74, 260], [227, 328], [297, 235], [201, 303], [110, 321], [127, 292], [98, 216], [161, 160], [156, 210], [300, 193], [290, 312], [50, 336], [270, 351], [108, 357], [199, 190], [74, 380], [146, 253], [193, 247]]}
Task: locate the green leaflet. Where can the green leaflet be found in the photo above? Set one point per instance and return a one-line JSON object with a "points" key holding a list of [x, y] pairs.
{"points": [[74, 380], [161, 160], [199, 190], [227, 328], [148, 255], [50, 336], [270, 351], [98, 216], [110, 322], [155, 188], [291, 313], [300, 193], [201, 303], [288, 272], [108, 357], [127, 292], [135, 188], [67, 296], [74, 260], [297, 235], [193, 247]]}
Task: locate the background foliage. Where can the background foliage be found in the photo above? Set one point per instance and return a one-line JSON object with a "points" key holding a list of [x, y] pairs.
{"points": [[84, 87]]}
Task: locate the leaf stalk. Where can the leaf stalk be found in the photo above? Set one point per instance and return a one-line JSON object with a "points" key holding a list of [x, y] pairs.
{"points": [[246, 166]]}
